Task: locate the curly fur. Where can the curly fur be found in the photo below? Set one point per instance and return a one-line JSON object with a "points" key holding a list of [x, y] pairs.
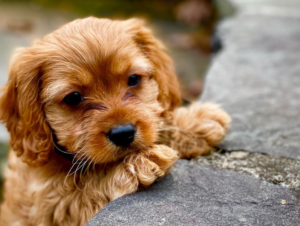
{"points": [[62, 167]]}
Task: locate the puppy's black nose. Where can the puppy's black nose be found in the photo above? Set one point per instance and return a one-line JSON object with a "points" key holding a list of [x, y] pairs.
{"points": [[122, 135]]}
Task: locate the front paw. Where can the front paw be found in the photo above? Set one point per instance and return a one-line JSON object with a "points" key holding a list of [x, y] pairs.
{"points": [[201, 127], [153, 163]]}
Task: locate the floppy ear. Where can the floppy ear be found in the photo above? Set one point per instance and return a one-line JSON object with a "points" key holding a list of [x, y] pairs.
{"points": [[22, 111], [164, 73]]}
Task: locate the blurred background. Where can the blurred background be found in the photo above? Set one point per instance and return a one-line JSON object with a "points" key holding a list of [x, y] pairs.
{"points": [[186, 27]]}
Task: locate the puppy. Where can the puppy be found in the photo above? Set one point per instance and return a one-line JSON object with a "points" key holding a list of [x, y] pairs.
{"points": [[90, 111]]}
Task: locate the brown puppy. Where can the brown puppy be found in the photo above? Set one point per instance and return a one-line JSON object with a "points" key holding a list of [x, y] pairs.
{"points": [[90, 111]]}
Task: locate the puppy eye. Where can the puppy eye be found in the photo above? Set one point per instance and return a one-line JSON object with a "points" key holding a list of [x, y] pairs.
{"points": [[134, 80], [73, 99]]}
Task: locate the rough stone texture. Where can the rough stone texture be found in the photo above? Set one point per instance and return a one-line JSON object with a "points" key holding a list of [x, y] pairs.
{"points": [[197, 195], [256, 79], [278, 170]]}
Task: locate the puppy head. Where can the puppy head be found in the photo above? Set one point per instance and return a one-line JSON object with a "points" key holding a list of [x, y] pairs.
{"points": [[99, 86]]}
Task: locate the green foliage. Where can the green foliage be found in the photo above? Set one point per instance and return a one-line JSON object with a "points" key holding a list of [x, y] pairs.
{"points": [[116, 8]]}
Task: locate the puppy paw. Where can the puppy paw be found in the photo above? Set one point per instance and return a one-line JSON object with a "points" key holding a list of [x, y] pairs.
{"points": [[152, 164], [200, 128]]}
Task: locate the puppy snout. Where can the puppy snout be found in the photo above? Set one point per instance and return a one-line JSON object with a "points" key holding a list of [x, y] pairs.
{"points": [[122, 135]]}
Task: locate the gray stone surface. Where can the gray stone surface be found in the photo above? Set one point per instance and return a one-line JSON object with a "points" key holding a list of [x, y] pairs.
{"points": [[278, 8], [195, 195], [277, 170], [256, 79], [283, 4]]}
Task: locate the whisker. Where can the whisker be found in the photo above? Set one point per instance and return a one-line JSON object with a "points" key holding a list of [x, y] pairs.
{"points": [[82, 168], [62, 150], [77, 153], [79, 164], [74, 177], [88, 167], [68, 174]]}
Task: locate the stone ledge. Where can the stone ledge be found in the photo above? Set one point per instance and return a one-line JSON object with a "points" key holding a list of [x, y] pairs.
{"points": [[197, 195], [256, 79]]}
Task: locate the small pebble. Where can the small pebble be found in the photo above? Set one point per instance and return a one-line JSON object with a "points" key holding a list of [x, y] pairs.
{"points": [[283, 202]]}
